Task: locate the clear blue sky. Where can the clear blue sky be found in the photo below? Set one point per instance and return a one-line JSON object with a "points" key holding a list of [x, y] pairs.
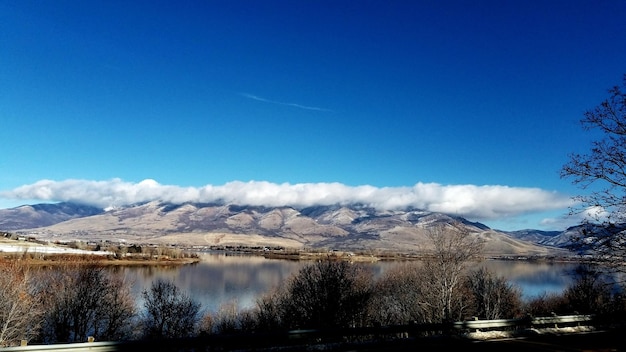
{"points": [[477, 102]]}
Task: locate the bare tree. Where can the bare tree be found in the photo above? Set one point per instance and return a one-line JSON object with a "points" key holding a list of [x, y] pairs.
{"points": [[118, 310], [546, 304], [493, 296], [433, 290], [85, 300], [20, 311], [397, 295], [230, 318], [321, 295], [329, 294], [454, 247], [602, 173], [590, 293], [270, 309], [169, 312]]}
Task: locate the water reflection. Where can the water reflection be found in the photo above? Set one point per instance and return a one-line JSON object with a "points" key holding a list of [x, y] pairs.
{"points": [[534, 278], [219, 279]]}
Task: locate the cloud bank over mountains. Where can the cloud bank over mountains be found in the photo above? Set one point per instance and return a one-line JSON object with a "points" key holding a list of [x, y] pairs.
{"points": [[471, 201]]}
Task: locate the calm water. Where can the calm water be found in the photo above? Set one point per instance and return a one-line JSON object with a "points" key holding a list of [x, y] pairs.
{"points": [[220, 279]]}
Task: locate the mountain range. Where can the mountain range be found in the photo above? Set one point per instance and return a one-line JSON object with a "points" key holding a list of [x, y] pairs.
{"points": [[340, 227]]}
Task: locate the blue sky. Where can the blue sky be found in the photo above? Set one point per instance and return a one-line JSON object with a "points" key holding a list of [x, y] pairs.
{"points": [[467, 107]]}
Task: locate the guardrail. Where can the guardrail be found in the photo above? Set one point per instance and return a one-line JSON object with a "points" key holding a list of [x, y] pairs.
{"points": [[553, 321], [319, 336]]}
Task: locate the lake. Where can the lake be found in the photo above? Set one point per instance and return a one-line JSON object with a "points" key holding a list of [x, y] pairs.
{"points": [[219, 278]]}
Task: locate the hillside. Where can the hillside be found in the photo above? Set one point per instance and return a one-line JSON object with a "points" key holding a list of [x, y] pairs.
{"points": [[39, 215], [356, 228]]}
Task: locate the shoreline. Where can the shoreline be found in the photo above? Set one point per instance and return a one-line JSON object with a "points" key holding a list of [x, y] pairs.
{"points": [[89, 259], [41, 254]]}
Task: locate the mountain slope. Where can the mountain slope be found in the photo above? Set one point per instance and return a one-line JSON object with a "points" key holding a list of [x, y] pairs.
{"points": [[334, 227], [40, 215]]}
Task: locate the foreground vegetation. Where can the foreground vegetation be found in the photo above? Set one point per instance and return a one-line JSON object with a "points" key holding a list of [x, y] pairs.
{"points": [[76, 301]]}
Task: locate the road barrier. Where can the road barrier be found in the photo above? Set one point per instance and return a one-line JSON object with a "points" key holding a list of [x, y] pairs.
{"points": [[294, 338], [533, 322]]}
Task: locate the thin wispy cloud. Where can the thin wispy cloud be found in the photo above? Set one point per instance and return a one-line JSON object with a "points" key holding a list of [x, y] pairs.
{"points": [[471, 201], [299, 106]]}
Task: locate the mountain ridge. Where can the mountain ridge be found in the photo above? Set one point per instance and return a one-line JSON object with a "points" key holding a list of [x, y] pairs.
{"points": [[341, 227]]}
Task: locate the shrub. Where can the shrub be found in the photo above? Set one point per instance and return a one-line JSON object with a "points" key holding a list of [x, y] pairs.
{"points": [[493, 296], [85, 300], [20, 310], [396, 297], [169, 313], [321, 295], [589, 293]]}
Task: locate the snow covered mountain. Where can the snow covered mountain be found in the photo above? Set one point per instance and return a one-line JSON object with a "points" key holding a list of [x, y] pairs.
{"points": [[39, 215], [354, 227]]}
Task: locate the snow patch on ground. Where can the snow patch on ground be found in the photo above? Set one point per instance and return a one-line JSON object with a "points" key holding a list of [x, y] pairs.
{"points": [[490, 335], [10, 248]]}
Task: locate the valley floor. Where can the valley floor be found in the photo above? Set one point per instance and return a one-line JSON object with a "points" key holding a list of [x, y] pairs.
{"points": [[43, 254]]}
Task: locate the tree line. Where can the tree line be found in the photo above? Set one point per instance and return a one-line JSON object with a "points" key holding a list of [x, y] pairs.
{"points": [[77, 301]]}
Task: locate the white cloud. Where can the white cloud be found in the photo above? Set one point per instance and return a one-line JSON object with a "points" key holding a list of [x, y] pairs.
{"points": [[560, 223], [594, 214], [471, 201]]}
